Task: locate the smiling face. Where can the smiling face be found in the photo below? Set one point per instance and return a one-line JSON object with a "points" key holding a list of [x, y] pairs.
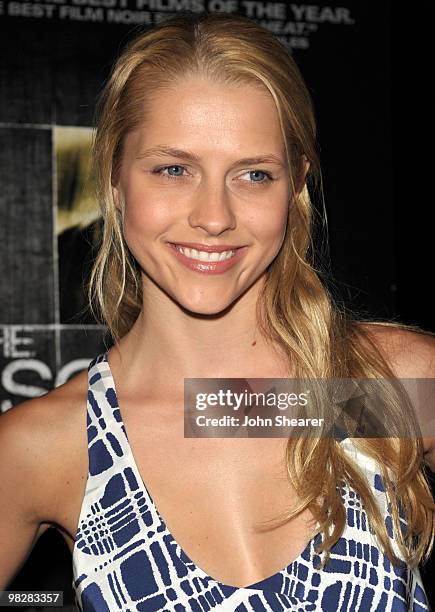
{"points": [[192, 174]]}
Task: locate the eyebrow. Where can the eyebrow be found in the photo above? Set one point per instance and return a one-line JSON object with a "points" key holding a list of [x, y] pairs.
{"points": [[166, 151]]}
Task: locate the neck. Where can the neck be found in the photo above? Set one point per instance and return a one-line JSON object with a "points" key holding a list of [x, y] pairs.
{"points": [[169, 343]]}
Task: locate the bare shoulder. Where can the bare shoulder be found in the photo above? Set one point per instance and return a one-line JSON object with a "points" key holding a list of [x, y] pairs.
{"points": [[409, 354], [43, 443]]}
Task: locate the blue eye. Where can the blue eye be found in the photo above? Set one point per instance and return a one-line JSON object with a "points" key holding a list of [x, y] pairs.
{"points": [[257, 172], [168, 168], [258, 177]]}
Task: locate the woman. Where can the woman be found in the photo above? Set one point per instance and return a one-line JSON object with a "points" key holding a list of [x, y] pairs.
{"points": [[205, 143]]}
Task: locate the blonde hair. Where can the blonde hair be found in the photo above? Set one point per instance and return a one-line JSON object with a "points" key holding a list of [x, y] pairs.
{"points": [[321, 338]]}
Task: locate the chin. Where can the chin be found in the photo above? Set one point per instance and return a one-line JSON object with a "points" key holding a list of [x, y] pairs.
{"points": [[205, 305]]}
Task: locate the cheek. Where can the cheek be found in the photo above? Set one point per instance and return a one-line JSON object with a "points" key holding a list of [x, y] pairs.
{"points": [[146, 217], [268, 222]]}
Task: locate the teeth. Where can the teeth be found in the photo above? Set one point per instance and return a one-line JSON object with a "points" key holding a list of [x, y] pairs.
{"points": [[203, 255]]}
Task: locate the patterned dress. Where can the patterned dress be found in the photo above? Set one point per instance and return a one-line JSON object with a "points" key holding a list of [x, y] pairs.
{"points": [[125, 558]]}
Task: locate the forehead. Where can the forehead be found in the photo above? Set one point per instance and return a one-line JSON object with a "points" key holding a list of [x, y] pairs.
{"points": [[206, 115]]}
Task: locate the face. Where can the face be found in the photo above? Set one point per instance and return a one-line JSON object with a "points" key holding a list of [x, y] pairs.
{"points": [[206, 168]]}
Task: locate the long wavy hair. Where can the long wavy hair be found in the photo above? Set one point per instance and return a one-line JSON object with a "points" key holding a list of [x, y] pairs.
{"points": [[320, 335]]}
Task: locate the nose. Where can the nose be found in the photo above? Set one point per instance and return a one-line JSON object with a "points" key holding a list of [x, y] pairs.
{"points": [[211, 207]]}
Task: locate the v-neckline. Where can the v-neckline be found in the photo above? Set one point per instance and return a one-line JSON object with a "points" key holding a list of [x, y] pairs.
{"points": [[302, 557]]}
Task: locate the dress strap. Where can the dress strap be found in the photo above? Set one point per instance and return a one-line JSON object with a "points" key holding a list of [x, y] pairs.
{"points": [[107, 440]]}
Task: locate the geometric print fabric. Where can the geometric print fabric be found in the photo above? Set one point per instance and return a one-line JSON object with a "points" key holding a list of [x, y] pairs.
{"points": [[126, 559]]}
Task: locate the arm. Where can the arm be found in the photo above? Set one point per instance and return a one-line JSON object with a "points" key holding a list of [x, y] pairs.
{"points": [[26, 470]]}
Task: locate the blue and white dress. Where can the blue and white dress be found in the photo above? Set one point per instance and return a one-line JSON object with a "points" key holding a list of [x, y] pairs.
{"points": [[126, 559]]}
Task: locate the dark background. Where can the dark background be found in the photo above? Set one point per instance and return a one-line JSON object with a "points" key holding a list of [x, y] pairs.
{"points": [[369, 87]]}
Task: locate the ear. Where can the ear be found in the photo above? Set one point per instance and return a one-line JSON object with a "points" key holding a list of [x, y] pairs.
{"points": [[305, 168], [116, 198]]}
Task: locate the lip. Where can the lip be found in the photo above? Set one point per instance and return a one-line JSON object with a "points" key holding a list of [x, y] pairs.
{"points": [[208, 267], [208, 248]]}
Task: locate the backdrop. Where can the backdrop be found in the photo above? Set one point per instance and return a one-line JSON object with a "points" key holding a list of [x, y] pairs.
{"points": [[54, 58]]}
